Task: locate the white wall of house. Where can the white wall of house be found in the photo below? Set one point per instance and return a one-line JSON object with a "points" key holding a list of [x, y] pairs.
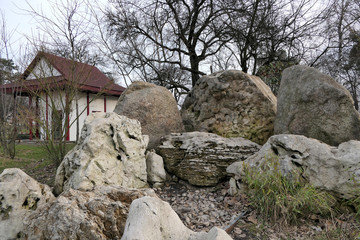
{"points": [[43, 69], [96, 104], [46, 113], [111, 103]]}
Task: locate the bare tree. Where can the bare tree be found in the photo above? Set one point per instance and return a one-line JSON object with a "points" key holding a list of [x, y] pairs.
{"points": [[162, 32], [8, 104], [269, 31], [341, 30]]}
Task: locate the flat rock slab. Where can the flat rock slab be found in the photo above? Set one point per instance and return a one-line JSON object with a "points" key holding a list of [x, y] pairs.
{"points": [[202, 158]]}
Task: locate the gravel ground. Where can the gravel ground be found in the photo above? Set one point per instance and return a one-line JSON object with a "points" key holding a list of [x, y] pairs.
{"points": [[200, 209]]}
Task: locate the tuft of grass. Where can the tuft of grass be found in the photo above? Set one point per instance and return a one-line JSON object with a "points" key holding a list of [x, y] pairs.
{"points": [[281, 199]]}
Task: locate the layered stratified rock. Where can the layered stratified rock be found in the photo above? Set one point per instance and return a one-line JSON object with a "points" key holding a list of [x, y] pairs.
{"points": [[99, 214], [202, 158], [150, 218], [20, 195], [111, 151], [315, 105], [154, 107], [231, 104], [335, 169]]}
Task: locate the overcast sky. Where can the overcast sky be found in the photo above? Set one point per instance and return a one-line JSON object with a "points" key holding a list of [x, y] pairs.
{"points": [[18, 22], [21, 24]]}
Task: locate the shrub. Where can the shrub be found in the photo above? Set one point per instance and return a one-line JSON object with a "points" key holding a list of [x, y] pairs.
{"points": [[284, 199]]}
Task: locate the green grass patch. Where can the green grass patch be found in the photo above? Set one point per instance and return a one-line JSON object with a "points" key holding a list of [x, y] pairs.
{"points": [[284, 200], [30, 151], [27, 154]]}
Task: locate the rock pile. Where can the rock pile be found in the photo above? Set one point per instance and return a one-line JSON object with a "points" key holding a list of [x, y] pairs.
{"points": [[97, 181], [202, 158], [315, 105], [111, 151], [154, 107], [97, 214], [231, 104]]}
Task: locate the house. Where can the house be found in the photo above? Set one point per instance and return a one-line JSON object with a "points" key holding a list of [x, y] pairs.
{"points": [[60, 88]]}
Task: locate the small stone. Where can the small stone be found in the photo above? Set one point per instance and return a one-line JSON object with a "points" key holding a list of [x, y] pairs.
{"points": [[158, 186]]}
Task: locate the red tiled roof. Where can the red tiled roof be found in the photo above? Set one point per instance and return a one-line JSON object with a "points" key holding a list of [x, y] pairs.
{"points": [[86, 77]]}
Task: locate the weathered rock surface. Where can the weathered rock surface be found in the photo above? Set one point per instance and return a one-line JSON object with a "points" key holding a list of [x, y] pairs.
{"points": [[111, 151], [154, 107], [335, 169], [202, 158], [151, 218], [99, 214], [155, 168], [315, 105], [20, 195], [231, 104]]}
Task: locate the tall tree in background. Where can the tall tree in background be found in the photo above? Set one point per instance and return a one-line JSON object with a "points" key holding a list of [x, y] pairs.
{"points": [[162, 33], [341, 30], [8, 74], [269, 31]]}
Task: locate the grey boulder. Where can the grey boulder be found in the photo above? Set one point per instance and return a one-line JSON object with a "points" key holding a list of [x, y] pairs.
{"points": [[154, 107], [231, 104], [313, 104]]}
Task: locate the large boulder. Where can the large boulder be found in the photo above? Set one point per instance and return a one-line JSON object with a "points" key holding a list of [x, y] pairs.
{"points": [[154, 107], [231, 104], [315, 105], [20, 195], [202, 158], [99, 214], [111, 151], [334, 169], [151, 218]]}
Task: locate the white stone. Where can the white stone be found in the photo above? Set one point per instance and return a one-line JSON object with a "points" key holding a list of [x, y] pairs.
{"points": [[20, 195], [151, 218], [111, 151], [155, 168]]}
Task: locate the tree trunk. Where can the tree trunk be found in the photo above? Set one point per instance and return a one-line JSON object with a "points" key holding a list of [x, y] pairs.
{"points": [[77, 116], [194, 63]]}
